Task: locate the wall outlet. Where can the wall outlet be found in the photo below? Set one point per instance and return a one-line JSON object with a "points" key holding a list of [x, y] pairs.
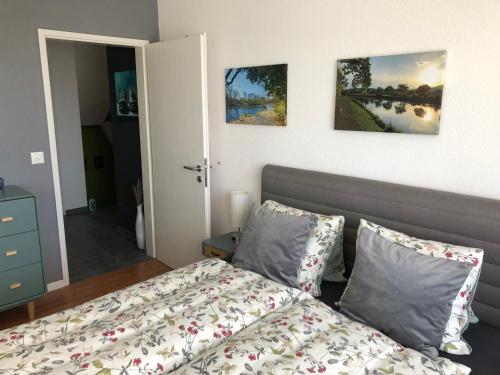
{"points": [[37, 157]]}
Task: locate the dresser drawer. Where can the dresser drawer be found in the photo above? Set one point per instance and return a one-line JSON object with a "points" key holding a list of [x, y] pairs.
{"points": [[17, 216], [213, 252], [21, 283], [19, 250]]}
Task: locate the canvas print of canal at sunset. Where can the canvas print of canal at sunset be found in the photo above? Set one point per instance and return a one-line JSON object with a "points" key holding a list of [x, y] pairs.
{"points": [[256, 95], [395, 94]]}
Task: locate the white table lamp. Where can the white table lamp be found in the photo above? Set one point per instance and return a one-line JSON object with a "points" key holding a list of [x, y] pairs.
{"points": [[238, 202]]}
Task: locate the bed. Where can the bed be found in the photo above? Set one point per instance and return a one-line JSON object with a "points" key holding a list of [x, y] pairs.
{"points": [[423, 213], [211, 317]]}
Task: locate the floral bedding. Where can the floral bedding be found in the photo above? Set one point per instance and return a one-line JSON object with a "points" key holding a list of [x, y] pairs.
{"points": [[208, 317]]}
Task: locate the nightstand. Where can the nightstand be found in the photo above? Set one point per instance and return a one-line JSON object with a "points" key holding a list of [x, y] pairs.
{"points": [[221, 247]]}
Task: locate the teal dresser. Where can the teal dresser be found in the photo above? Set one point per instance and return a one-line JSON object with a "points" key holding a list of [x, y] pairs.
{"points": [[21, 271]]}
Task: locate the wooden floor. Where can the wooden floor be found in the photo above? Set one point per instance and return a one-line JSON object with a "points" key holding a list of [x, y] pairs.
{"points": [[83, 291]]}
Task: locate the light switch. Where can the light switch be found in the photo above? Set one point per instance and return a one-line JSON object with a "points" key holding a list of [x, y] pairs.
{"points": [[37, 157]]}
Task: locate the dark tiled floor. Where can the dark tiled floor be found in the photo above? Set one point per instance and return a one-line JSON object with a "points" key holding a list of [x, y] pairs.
{"points": [[96, 244]]}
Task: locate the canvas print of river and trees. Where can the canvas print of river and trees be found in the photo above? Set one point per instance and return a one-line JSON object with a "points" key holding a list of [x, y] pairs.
{"points": [[256, 95], [398, 93]]}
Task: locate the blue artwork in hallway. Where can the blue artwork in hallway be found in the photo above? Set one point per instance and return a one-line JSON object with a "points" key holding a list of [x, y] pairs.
{"points": [[126, 93]]}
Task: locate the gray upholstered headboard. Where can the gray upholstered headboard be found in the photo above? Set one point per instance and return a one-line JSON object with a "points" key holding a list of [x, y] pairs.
{"points": [[423, 213]]}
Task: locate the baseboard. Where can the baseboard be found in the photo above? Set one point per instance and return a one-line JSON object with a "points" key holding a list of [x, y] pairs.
{"points": [[78, 210], [56, 285]]}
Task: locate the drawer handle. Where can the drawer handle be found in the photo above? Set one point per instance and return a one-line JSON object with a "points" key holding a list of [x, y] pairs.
{"points": [[15, 286], [7, 219], [10, 253], [215, 253]]}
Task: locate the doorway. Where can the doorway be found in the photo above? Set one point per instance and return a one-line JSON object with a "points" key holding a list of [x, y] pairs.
{"points": [[94, 92], [113, 219], [179, 146]]}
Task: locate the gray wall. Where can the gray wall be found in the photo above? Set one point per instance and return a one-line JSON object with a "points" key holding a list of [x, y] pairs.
{"points": [[67, 122], [126, 142], [93, 86], [23, 123]]}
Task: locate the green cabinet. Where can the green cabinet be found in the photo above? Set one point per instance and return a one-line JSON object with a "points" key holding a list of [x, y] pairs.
{"points": [[21, 270]]}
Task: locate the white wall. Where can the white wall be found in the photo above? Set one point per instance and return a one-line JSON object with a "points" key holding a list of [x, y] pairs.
{"points": [[67, 123], [93, 87], [310, 36]]}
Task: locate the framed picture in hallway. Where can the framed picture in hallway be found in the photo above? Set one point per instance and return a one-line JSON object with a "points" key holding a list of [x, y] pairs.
{"points": [[126, 94], [256, 95], [393, 94]]}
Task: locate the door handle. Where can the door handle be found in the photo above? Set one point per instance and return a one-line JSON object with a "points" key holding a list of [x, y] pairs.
{"points": [[194, 169]]}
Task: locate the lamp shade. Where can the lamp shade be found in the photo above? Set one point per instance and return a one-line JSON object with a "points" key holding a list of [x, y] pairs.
{"points": [[238, 202]]}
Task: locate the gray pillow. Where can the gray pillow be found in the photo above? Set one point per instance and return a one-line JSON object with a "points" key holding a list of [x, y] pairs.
{"points": [[273, 244], [406, 295]]}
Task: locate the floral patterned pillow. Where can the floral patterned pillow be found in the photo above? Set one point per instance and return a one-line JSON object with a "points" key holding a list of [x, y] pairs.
{"points": [[335, 266], [319, 248], [461, 311]]}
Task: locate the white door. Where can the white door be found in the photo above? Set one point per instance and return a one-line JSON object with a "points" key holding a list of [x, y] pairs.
{"points": [[179, 146]]}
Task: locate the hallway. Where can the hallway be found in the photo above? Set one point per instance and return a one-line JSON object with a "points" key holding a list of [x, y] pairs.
{"points": [[96, 244]]}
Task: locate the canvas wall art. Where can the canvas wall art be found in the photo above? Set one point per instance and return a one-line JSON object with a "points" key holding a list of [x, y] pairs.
{"points": [[256, 95], [396, 93], [126, 94]]}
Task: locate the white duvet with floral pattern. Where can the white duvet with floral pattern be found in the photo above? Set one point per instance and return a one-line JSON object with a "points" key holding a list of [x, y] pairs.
{"points": [[208, 317]]}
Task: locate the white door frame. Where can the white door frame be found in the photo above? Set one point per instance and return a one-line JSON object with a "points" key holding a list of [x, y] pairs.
{"points": [[144, 128]]}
